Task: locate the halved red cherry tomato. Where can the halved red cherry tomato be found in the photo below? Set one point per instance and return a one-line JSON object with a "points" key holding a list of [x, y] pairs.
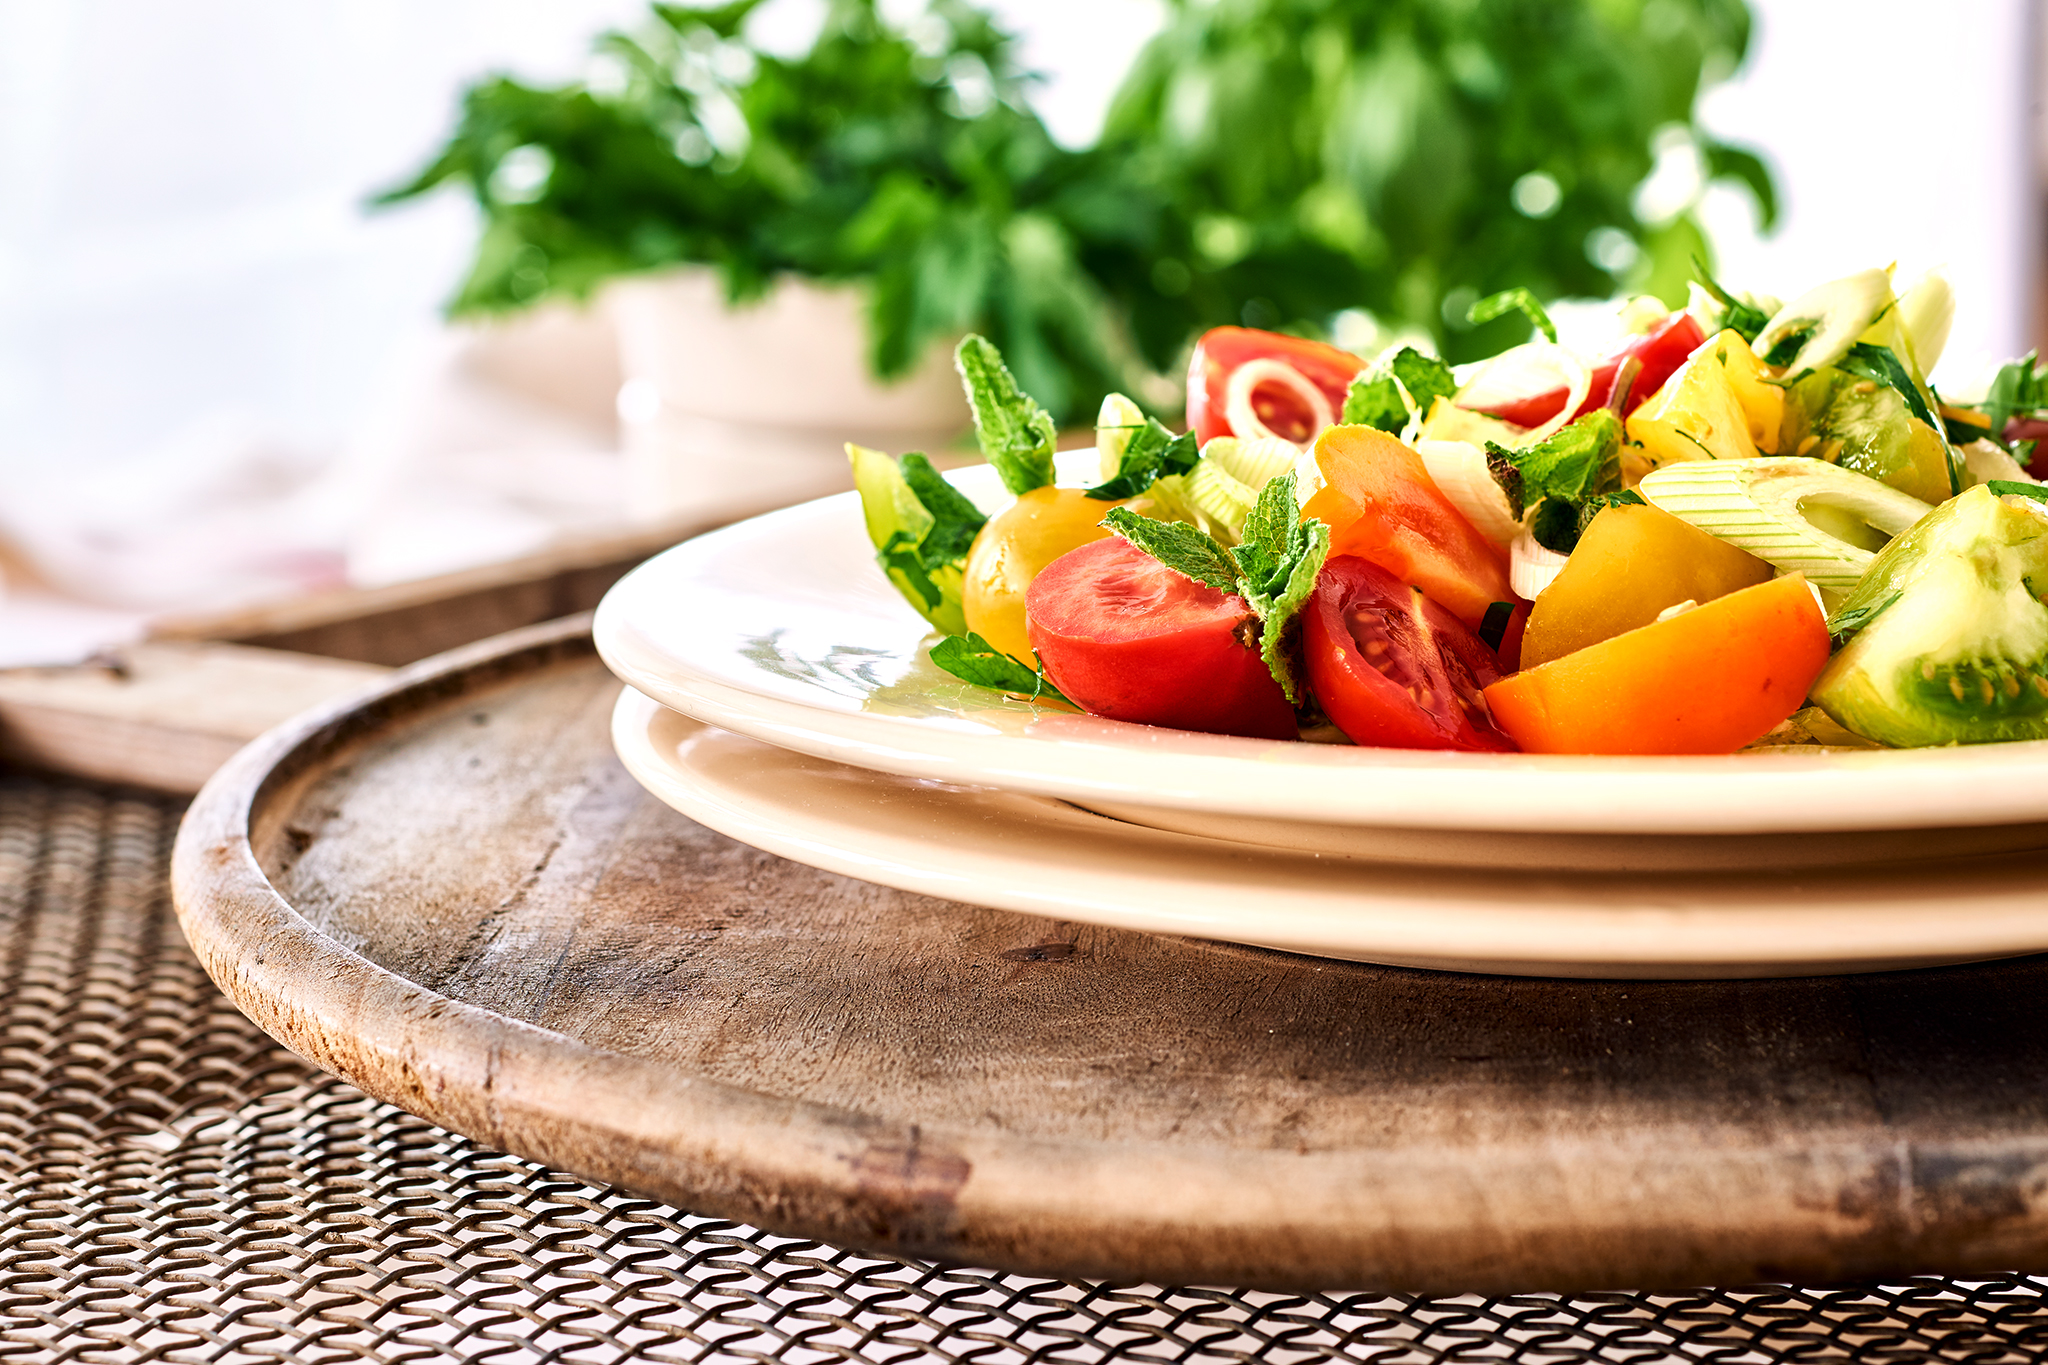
{"points": [[1393, 668], [1128, 638], [1380, 504], [1282, 406], [1660, 351]]}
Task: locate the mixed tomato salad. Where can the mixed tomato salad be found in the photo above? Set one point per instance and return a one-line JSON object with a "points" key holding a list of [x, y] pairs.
{"points": [[1745, 523]]}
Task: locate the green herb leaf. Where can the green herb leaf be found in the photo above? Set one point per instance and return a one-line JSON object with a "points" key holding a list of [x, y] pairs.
{"points": [[1493, 627], [1555, 525], [2020, 389], [1507, 301], [1575, 463], [1016, 435], [1185, 549], [1151, 454], [973, 659], [1503, 471], [2003, 487], [1880, 363], [955, 518], [1374, 398], [1743, 318], [1844, 624], [1278, 561]]}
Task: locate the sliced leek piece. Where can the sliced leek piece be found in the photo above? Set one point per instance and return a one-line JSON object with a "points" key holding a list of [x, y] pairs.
{"points": [[1835, 314], [1118, 420], [1926, 311], [1800, 515], [1532, 568], [1983, 461], [1458, 469]]}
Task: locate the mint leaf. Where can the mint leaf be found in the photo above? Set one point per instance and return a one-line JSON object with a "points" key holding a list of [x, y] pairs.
{"points": [[1152, 453], [1278, 561], [1180, 547], [1879, 363], [1374, 399], [2037, 491], [1016, 435], [1507, 301], [955, 519], [1493, 627], [1582, 459], [972, 659], [1560, 522]]}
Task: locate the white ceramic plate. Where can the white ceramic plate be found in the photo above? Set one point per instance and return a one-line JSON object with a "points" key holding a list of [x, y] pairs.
{"points": [[1042, 856], [783, 629]]}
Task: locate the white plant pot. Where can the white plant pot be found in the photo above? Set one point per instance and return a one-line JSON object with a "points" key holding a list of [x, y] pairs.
{"points": [[726, 412]]}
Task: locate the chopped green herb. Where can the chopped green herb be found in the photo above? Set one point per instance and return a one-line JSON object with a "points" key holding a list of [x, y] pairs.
{"points": [[1374, 399], [1745, 319], [1507, 301], [2020, 389], [973, 659], [1274, 568], [1881, 365], [2037, 491], [1016, 435], [955, 518], [921, 528], [1508, 477], [1152, 453], [1493, 627], [1844, 624]]}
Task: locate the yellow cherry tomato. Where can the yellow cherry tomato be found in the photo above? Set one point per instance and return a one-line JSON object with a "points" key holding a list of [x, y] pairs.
{"points": [[1010, 550]]}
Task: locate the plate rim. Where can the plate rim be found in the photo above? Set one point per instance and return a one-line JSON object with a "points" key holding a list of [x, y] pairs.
{"points": [[978, 845], [1826, 790]]}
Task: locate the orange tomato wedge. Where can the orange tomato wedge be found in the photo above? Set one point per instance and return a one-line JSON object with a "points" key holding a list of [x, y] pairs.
{"points": [[1707, 681], [1381, 505]]}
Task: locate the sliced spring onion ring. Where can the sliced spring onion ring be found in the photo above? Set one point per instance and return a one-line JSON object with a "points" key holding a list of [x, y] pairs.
{"points": [[1458, 469], [1246, 378], [1781, 508], [1531, 568], [1529, 368], [1836, 313]]}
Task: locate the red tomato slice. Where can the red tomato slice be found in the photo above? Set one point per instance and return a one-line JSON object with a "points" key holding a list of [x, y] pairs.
{"points": [[1393, 668], [1128, 638], [1380, 504], [1284, 409], [1660, 351]]}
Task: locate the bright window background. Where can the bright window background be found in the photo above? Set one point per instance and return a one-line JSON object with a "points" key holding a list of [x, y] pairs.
{"points": [[181, 231]]}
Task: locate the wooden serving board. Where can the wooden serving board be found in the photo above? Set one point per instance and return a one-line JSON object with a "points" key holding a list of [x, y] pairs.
{"points": [[452, 895]]}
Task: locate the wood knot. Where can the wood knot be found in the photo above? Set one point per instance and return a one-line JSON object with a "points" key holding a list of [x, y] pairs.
{"points": [[1040, 952]]}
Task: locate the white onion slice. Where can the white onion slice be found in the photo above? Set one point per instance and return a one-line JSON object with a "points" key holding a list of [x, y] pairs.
{"points": [[1458, 469], [1237, 398], [1531, 368], [1531, 568]]}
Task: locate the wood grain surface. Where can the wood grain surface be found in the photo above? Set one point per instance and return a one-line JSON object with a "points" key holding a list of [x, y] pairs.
{"points": [[454, 897]]}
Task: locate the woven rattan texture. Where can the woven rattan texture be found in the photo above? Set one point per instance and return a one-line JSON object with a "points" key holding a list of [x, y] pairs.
{"points": [[174, 1186]]}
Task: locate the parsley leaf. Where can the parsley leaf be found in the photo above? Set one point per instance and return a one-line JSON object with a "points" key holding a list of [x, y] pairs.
{"points": [[1274, 568], [1374, 399], [972, 659], [1016, 435], [1151, 454], [2019, 390], [1745, 319], [1507, 301]]}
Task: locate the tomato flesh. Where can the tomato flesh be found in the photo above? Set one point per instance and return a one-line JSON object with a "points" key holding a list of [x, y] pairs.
{"points": [[1392, 668], [1125, 637], [1223, 349], [1660, 352], [1380, 504]]}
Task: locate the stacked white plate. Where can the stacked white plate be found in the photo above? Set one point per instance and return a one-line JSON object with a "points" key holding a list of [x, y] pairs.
{"points": [[779, 692]]}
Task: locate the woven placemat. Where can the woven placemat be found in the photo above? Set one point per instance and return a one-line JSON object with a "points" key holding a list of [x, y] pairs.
{"points": [[174, 1186]]}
